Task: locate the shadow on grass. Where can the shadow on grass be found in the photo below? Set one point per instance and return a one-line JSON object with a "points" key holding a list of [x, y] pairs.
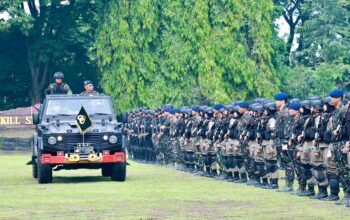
{"points": [[80, 179]]}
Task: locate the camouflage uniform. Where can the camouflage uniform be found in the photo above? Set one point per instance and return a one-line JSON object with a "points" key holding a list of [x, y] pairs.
{"points": [[189, 145], [232, 148], [318, 155], [333, 156], [270, 153], [86, 93], [304, 151], [58, 89], [244, 126]]}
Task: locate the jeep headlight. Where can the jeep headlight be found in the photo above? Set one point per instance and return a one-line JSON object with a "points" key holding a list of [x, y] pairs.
{"points": [[105, 137], [59, 138], [52, 140], [113, 139]]}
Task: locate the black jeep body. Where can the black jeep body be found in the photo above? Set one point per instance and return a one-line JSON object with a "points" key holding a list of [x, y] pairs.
{"points": [[58, 142]]}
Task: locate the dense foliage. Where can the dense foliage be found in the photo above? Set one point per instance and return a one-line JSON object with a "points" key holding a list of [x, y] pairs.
{"points": [[40, 38], [183, 52]]}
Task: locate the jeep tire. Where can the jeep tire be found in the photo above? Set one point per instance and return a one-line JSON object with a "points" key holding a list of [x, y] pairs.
{"points": [[107, 169], [44, 172], [119, 172]]}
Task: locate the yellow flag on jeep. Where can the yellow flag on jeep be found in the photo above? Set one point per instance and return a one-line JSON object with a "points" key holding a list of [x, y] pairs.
{"points": [[83, 120]]}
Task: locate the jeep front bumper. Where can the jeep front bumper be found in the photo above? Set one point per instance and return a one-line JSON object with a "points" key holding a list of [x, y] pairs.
{"points": [[118, 157]]}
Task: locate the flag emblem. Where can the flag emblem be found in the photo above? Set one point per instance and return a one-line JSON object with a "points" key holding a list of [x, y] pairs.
{"points": [[83, 121]]}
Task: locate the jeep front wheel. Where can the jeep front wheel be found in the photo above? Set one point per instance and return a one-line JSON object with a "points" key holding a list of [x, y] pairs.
{"points": [[107, 170], [44, 172], [119, 172]]}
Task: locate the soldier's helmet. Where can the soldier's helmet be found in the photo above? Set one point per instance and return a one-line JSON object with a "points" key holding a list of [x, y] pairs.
{"points": [[229, 108], [347, 96], [327, 100], [305, 104], [316, 104], [270, 106], [58, 75], [259, 108]]}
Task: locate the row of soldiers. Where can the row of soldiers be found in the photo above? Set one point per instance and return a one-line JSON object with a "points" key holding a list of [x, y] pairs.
{"points": [[250, 143]]}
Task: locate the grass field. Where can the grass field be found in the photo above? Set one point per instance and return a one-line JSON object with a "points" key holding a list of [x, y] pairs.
{"points": [[150, 192]]}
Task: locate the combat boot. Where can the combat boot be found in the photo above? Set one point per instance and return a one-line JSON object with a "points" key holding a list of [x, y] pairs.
{"points": [[200, 170], [322, 193], [249, 182], [193, 168], [231, 177], [331, 197], [235, 176], [243, 178], [264, 183], [300, 190], [256, 182], [309, 192], [273, 184], [287, 188], [206, 173]]}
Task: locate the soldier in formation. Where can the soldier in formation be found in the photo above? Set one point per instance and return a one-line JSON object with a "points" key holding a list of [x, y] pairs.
{"points": [[251, 143]]}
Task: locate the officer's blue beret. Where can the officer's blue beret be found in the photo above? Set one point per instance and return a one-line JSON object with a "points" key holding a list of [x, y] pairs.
{"points": [[281, 96], [172, 111], [295, 106], [218, 106], [195, 108], [243, 104], [336, 93]]}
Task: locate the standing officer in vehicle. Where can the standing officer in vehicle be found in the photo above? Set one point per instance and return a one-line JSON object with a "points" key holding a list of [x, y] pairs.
{"points": [[59, 87], [89, 89]]}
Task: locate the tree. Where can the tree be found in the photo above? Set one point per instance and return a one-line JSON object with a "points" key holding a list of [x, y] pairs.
{"points": [[303, 82], [325, 34], [293, 15], [321, 61], [185, 52], [56, 35]]}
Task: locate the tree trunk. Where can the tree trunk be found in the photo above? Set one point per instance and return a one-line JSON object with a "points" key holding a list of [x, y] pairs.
{"points": [[290, 42], [39, 71]]}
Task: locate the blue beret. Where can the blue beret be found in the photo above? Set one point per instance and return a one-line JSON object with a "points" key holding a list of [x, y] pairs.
{"points": [[295, 106], [195, 108], [172, 111], [336, 93], [281, 96], [218, 106], [243, 104]]}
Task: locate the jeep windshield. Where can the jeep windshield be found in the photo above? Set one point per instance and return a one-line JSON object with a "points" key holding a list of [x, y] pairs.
{"points": [[69, 107]]}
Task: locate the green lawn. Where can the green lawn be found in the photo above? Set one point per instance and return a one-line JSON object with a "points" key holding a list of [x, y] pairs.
{"points": [[150, 192]]}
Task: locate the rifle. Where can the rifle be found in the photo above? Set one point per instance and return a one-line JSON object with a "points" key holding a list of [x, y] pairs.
{"points": [[245, 154], [219, 159], [292, 152]]}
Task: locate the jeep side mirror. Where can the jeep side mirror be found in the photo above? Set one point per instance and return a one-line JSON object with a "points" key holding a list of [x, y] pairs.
{"points": [[35, 118]]}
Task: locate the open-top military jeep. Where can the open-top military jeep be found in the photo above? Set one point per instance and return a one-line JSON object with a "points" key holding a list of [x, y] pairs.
{"points": [[62, 142]]}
